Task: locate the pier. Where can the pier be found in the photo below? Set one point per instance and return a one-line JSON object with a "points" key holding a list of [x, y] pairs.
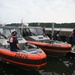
{"points": [[64, 33]]}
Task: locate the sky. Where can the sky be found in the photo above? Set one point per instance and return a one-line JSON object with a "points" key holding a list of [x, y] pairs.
{"points": [[58, 11]]}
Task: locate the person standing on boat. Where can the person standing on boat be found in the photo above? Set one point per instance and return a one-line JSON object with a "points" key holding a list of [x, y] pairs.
{"points": [[56, 36], [72, 36], [43, 28], [14, 46]]}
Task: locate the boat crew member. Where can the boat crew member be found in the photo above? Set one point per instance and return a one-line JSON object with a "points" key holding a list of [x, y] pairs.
{"points": [[56, 36], [14, 45], [72, 35], [43, 28]]}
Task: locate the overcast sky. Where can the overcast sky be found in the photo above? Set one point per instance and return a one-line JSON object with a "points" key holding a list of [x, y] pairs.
{"points": [[58, 11]]}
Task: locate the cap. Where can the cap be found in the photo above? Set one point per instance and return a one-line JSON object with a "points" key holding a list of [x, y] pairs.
{"points": [[14, 33]]}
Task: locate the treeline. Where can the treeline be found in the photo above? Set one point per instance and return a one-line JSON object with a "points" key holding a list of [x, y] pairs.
{"points": [[14, 24], [56, 25]]}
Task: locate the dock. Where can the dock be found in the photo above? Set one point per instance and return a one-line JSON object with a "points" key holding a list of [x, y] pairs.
{"points": [[64, 33]]}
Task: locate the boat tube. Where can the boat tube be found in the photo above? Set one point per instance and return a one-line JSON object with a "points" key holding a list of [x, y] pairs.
{"points": [[53, 47]]}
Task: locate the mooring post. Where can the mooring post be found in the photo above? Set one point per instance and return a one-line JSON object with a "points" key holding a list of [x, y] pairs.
{"points": [[52, 30]]}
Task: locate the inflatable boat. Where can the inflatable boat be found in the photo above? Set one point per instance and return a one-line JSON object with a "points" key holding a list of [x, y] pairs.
{"points": [[29, 57], [36, 36], [53, 47]]}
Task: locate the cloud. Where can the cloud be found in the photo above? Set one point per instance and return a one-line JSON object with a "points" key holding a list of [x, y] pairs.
{"points": [[37, 10]]}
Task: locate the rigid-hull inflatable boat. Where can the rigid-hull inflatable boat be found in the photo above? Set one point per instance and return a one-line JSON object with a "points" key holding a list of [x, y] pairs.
{"points": [[29, 57], [36, 36]]}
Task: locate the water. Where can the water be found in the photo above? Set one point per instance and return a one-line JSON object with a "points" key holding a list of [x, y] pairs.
{"points": [[55, 66]]}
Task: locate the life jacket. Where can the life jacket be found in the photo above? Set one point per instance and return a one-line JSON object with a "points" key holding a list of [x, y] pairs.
{"points": [[12, 39]]}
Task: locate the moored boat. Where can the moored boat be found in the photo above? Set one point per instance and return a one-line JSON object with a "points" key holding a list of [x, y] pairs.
{"points": [[26, 59], [29, 57], [36, 36]]}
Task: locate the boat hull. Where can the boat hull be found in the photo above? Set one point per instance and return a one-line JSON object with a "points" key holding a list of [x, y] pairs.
{"points": [[29, 61], [53, 49]]}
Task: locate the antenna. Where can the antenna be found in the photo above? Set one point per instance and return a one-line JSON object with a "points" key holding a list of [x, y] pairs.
{"points": [[24, 24]]}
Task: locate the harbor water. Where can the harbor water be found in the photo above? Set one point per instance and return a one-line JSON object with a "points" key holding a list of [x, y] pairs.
{"points": [[54, 66]]}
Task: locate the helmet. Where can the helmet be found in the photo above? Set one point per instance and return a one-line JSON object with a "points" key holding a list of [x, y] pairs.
{"points": [[14, 33]]}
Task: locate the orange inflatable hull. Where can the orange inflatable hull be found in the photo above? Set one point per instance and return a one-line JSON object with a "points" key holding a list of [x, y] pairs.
{"points": [[53, 48], [21, 59]]}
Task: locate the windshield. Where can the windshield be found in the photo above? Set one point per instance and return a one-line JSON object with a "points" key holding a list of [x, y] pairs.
{"points": [[18, 32], [1, 30], [36, 31], [40, 31], [33, 31], [7, 32]]}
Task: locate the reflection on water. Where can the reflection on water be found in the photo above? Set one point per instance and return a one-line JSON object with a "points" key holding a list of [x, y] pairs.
{"points": [[58, 66], [55, 66], [13, 70]]}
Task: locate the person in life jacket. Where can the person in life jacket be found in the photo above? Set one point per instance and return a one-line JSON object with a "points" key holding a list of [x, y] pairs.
{"points": [[14, 45]]}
